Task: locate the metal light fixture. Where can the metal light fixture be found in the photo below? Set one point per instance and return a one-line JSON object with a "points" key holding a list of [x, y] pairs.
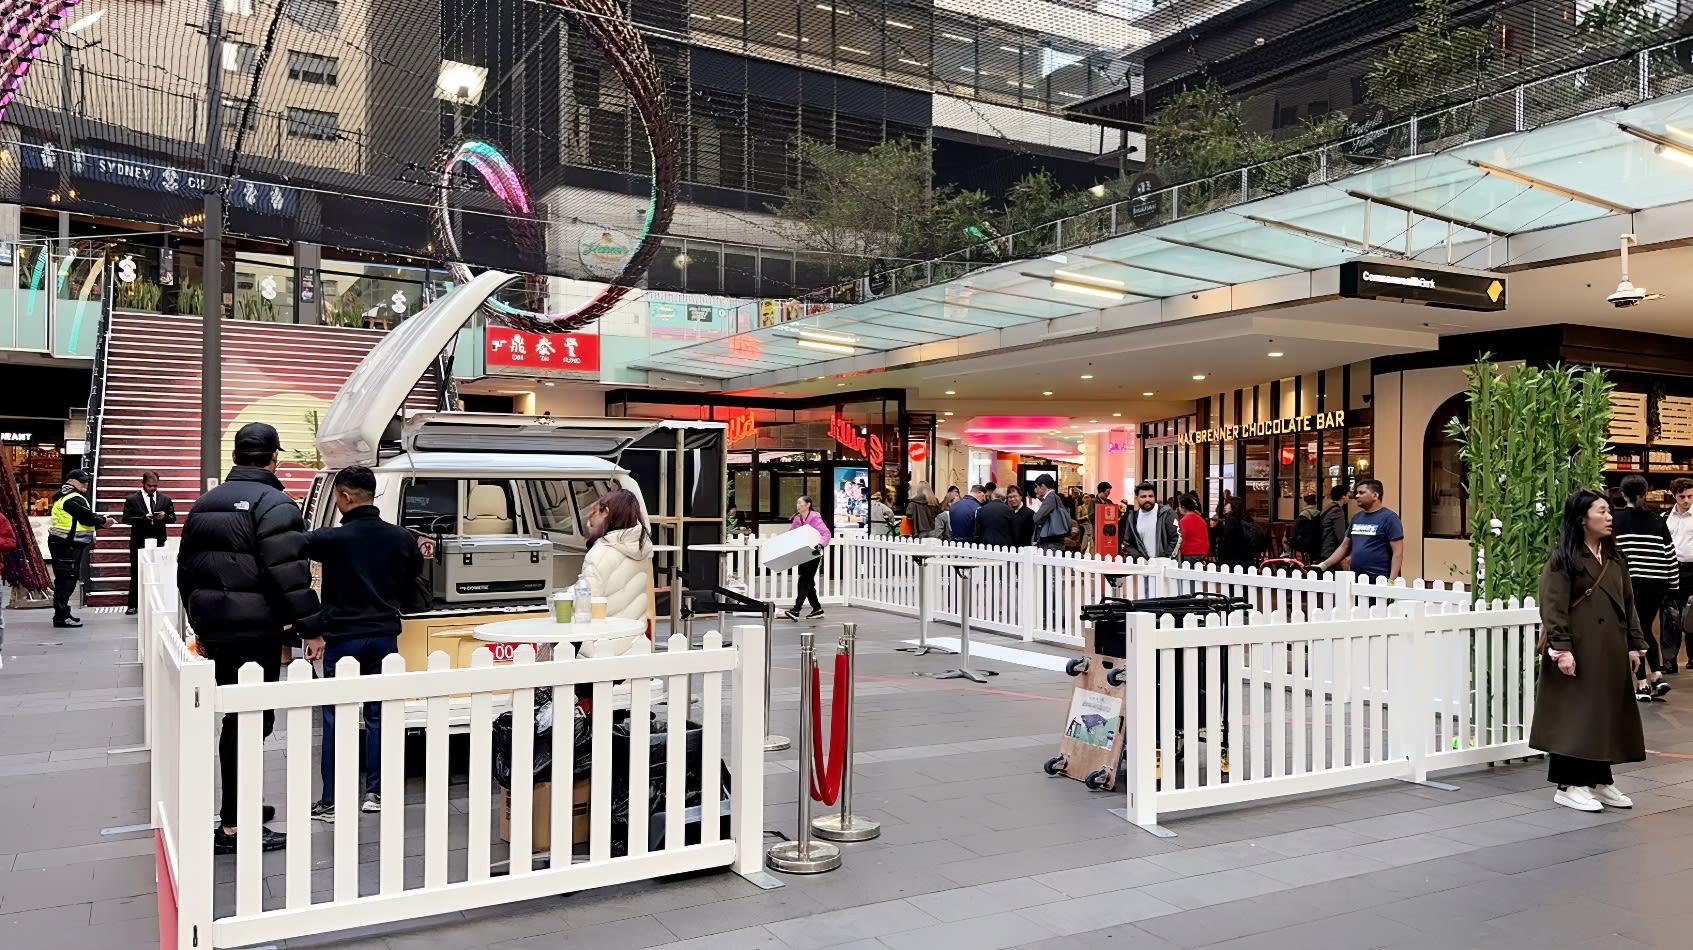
{"points": [[460, 83]]}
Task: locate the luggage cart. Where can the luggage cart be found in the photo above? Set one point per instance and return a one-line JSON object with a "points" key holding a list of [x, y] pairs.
{"points": [[1092, 749]]}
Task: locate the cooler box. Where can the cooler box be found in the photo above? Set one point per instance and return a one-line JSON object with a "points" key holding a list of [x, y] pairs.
{"points": [[784, 552], [482, 568]]}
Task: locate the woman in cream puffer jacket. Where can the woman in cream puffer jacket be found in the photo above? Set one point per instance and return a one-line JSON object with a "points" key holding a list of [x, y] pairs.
{"points": [[619, 566]]}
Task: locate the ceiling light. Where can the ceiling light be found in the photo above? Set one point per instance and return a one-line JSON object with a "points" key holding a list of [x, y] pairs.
{"points": [[837, 348], [1117, 415], [1090, 286], [700, 16], [952, 392], [828, 9], [819, 335], [1087, 375], [955, 36], [1275, 354], [900, 26], [1047, 393], [1674, 154], [731, 19], [790, 36], [840, 385], [946, 413], [912, 62], [853, 49], [549, 384], [1198, 377], [1146, 394], [1093, 422]]}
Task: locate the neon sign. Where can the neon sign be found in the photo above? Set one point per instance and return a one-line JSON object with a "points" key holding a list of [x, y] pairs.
{"points": [[742, 426], [848, 438]]}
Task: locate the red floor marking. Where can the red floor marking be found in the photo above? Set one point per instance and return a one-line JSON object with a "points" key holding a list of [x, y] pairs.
{"points": [[943, 685], [1670, 755]]}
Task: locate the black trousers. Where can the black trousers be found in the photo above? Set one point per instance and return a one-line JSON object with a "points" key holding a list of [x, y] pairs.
{"points": [[67, 567], [808, 585], [1567, 770], [135, 546], [1648, 604], [228, 658]]}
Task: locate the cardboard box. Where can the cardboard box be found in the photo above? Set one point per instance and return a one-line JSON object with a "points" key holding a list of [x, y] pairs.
{"points": [[542, 825], [790, 549]]}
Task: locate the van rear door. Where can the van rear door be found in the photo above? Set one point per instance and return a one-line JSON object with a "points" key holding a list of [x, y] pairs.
{"points": [[522, 435]]}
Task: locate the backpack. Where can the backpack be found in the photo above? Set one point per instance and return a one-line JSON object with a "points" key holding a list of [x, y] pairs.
{"points": [[1256, 538], [1306, 531]]}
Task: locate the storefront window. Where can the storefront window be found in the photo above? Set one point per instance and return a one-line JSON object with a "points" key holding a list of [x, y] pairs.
{"points": [[1448, 498]]}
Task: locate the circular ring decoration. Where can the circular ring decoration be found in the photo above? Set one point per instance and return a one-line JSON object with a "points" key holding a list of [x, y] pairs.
{"points": [[28, 25], [621, 44]]}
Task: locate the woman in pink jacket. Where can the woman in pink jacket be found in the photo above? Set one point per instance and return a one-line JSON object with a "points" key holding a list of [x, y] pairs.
{"points": [[805, 514]]}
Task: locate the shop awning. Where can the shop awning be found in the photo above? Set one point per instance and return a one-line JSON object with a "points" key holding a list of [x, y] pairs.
{"points": [[1451, 207]]}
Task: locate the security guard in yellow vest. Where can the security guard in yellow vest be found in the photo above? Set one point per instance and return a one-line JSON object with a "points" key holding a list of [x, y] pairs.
{"points": [[68, 539]]}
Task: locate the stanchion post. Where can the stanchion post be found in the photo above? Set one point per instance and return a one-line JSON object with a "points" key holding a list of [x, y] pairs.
{"points": [[803, 855], [772, 742], [846, 826]]}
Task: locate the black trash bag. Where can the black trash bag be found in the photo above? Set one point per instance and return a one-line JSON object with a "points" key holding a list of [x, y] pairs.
{"points": [[543, 741]]}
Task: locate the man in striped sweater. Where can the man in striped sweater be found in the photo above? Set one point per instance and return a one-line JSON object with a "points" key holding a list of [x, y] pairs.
{"points": [[1643, 540], [1679, 520]]}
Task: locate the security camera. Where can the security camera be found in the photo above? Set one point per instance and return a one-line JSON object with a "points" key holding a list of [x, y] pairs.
{"points": [[1626, 294]]}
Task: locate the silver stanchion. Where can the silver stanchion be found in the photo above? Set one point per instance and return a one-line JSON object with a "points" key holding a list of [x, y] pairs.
{"points": [[772, 742], [846, 826], [803, 855]]}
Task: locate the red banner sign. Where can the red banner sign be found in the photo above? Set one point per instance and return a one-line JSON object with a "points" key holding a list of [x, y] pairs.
{"points": [[847, 435], [517, 349]]}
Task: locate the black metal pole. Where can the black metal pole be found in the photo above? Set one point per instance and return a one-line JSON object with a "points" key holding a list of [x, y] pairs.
{"points": [[211, 269]]}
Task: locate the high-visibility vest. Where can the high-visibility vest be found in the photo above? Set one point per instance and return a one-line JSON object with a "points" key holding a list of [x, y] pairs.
{"points": [[65, 525]]}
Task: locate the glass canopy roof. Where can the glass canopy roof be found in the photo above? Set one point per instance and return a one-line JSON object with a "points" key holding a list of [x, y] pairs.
{"points": [[1576, 170]]}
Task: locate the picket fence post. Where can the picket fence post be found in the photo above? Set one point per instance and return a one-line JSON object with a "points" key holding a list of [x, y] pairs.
{"points": [[197, 740], [1142, 676], [746, 751], [1411, 694], [1028, 580]]}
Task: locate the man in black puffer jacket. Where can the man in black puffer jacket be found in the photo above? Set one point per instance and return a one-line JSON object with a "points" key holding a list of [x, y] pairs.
{"points": [[245, 580]]}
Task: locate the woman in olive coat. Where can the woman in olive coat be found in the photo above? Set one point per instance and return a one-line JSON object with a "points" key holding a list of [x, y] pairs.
{"points": [[1585, 715]]}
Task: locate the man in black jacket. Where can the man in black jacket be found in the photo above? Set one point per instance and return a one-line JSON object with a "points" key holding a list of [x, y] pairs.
{"points": [[245, 580], [1333, 524], [147, 512], [68, 540], [996, 524], [370, 567], [1022, 518]]}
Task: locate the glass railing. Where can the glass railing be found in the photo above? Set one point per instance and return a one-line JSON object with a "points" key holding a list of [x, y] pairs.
{"points": [[1647, 74]]}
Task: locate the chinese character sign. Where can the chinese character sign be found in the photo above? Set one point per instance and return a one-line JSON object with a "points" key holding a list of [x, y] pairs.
{"points": [[509, 349]]}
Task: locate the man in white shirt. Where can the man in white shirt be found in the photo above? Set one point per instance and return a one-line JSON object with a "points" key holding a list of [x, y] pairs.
{"points": [[1680, 522], [1151, 530]]}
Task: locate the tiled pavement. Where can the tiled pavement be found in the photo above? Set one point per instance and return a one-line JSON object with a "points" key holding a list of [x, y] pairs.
{"points": [[979, 850]]}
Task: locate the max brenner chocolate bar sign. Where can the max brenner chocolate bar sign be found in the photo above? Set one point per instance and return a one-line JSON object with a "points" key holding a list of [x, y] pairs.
{"points": [[1251, 430]]}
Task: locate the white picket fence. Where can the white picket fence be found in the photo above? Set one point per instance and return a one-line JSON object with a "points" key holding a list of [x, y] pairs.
{"points": [[1033, 594], [258, 899], [1301, 704]]}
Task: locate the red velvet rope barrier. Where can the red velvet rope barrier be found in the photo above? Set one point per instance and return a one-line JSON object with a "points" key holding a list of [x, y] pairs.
{"points": [[826, 778]]}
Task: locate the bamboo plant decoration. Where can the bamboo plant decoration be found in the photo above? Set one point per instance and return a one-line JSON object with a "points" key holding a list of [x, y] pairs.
{"points": [[1534, 436]]}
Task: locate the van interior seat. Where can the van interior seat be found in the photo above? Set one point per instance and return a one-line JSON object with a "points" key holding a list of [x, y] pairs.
{"points": [[487, 510]]}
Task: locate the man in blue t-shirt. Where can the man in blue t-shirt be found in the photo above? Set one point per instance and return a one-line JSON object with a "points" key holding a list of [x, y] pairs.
{"points": [[1376, 540]]}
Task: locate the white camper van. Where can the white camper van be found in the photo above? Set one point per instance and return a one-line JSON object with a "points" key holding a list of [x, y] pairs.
{"points": [[507, 496]]}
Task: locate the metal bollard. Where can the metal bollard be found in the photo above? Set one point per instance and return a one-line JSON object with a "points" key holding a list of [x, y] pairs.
{"points": [[846, 826], [803, 855], [772, 742]]}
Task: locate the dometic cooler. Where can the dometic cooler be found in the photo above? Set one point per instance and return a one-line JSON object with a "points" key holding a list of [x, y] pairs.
{"points": [[506, 567]]}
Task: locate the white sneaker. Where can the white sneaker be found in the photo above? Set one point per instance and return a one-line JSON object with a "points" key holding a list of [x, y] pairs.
{"points": [[1608, 796], [1578, 798]]}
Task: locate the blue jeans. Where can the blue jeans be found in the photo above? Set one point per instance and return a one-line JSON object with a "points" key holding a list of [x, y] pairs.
{"points": [[369, 651]]}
